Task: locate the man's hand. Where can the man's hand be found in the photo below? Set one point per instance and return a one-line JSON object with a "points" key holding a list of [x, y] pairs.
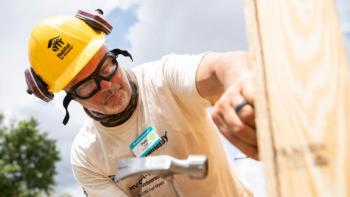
{"points": [[238, 127], [225, 79]]}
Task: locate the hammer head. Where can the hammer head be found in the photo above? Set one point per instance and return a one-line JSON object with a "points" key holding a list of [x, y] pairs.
{"points": [[195, 166]]}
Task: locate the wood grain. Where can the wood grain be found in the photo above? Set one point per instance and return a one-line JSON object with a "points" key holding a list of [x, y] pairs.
{"points": [[303, 109]]}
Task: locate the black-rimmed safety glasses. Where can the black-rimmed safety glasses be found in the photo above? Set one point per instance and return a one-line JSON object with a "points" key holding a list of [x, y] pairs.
{"points": [[89, 86]]}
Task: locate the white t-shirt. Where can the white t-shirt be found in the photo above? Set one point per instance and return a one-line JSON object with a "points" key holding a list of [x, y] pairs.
{"points": [[170, 103]]}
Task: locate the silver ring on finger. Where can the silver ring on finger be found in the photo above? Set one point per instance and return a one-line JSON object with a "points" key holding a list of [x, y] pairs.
{"points": [[240, 104]]}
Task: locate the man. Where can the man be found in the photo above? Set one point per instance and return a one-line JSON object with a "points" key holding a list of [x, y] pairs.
{"points": [[168, 97]]}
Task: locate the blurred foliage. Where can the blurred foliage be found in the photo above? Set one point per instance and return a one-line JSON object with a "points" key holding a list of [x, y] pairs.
{"points": [[27, 160]]}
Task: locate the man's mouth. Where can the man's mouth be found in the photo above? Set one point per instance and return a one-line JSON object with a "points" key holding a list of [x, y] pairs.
{"points": [[111, 95], [113, 90]]}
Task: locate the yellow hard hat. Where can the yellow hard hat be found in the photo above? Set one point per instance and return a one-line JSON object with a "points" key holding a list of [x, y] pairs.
{"points": [[59, 47]]}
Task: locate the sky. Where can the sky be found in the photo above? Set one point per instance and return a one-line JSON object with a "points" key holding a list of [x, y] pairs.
{"points": [[148, 30]]}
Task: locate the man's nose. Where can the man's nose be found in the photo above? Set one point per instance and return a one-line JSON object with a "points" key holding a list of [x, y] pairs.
{"points": [[105, 85]]}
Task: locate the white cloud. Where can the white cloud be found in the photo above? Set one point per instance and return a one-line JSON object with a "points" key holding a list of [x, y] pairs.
{"points": [[187, 27]]}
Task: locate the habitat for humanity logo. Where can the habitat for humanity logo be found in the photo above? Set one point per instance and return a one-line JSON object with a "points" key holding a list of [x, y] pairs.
{"points": [[57, 45]]}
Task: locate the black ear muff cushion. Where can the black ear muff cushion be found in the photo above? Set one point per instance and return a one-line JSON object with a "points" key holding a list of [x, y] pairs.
{"points": [[36, 86], [95, 20]]}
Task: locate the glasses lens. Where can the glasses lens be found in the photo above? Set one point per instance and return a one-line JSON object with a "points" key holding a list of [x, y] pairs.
{"points": [[86, 89], [108, 68], [90, 85]]}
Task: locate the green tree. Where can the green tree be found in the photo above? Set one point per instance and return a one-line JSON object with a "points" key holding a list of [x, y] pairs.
{"points": [[27, 160]]}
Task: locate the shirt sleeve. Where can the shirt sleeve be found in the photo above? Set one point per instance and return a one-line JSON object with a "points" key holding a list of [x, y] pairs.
{"points": [[95, 184], [179, 72]]}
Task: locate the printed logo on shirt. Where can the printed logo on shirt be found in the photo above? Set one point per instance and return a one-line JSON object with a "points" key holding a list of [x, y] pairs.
{"points": [[163, 140], [147, 182]]}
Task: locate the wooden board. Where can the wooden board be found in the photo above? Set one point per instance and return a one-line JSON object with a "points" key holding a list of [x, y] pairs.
{"points": [[303, 96]]}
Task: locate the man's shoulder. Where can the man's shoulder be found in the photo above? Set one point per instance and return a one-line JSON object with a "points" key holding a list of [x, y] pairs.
{"points": [[86, 135], [84, 144], [166, 64], [162, 61]]}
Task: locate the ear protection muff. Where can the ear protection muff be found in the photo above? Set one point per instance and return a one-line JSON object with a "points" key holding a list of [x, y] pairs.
{"points": [[95, 20], [37, 86]]}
